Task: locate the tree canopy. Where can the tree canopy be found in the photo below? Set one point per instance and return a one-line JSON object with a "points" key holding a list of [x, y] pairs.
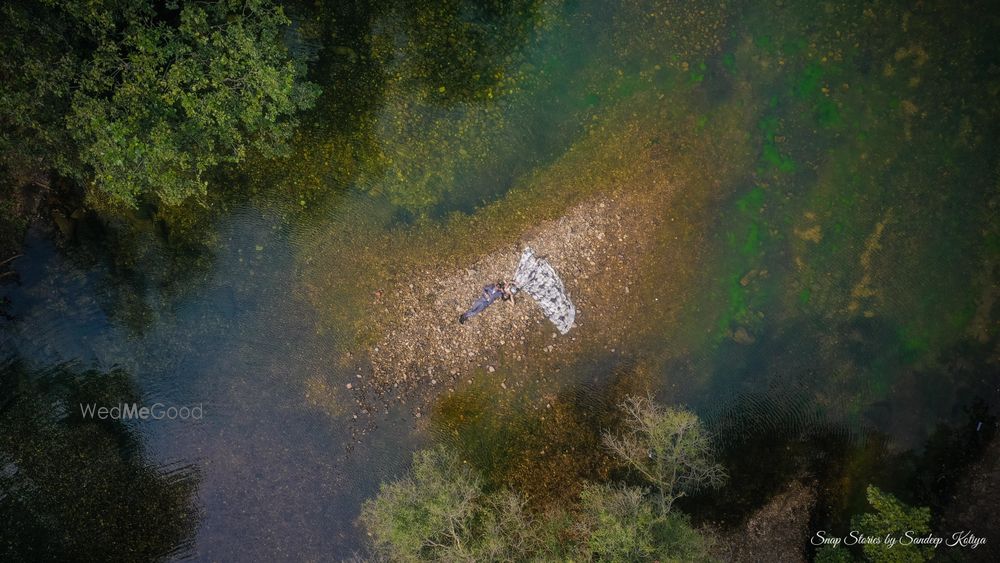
{"points": [[668, 447], [139, 99], [441, 510], [893, 518]]}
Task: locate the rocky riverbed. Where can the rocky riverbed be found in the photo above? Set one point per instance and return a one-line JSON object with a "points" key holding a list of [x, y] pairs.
{"points": [[593, 247]]}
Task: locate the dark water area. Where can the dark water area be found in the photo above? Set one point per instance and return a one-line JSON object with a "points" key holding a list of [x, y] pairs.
{"points": [[842, 323], [239, 347]]}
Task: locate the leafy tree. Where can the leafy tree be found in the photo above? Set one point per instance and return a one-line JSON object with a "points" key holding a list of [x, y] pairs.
{"points": [[441, 511], [504, 529], [833, 554], [426, 513], [678, 540], [621, 524], [140, 99], [618, 523], [893, 518], [668, 447]]}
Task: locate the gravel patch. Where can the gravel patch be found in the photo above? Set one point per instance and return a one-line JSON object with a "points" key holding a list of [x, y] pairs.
{"points": [[423, 342]]}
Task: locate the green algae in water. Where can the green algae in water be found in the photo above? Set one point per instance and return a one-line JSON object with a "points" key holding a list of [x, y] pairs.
{"points": [[752, 201], [729, 61], [809, 82], [770, 154], [829, 115]]}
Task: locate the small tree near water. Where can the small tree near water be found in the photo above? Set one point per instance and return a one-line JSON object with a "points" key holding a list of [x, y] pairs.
{"points": [[893, 518], [439, 512], [669, 447]]}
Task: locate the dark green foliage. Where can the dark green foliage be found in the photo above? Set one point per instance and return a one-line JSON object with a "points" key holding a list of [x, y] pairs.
{"points": [[833, 554], [12, 223], [893, 518], [136, 100]]}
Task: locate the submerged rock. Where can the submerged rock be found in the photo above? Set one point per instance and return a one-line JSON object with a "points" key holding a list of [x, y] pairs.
{"points": [[742, 336]]}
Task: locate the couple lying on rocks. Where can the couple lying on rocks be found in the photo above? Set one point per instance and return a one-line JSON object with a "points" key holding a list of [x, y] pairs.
{"points": [[536, 277], [499, 290]]}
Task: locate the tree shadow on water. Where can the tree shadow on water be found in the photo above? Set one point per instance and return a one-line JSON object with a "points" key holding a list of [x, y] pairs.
{"points": [[79, 489], [846, 409]]}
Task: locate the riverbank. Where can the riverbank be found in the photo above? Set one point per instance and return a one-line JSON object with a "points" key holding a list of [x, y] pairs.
{"points": [[623, 215]]}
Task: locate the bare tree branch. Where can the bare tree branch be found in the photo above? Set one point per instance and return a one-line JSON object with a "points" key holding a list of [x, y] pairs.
{"points": [[668, 447]]}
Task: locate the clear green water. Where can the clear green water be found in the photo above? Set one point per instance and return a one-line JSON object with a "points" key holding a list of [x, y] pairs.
{"points": [[861, 176]]}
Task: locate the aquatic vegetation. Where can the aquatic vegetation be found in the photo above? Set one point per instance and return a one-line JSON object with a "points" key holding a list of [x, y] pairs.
{"points": [[457, 51], [830, 225], [548, 454], [450, 127]]}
